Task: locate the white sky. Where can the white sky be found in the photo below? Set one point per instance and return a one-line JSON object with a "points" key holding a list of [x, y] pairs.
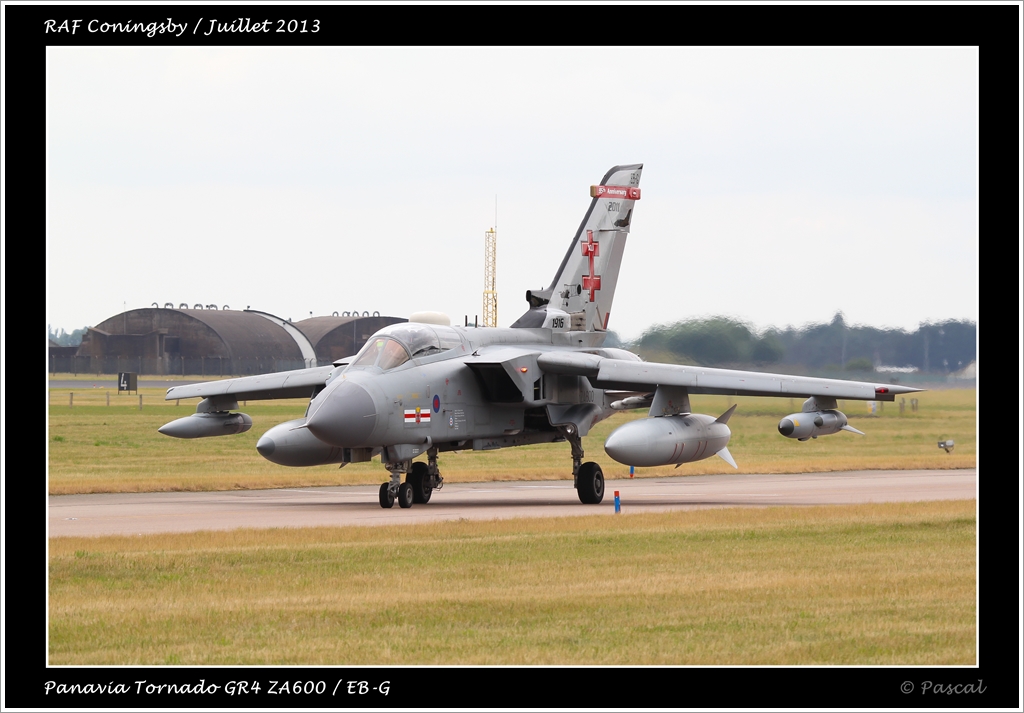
{"points": [[779, 185]]}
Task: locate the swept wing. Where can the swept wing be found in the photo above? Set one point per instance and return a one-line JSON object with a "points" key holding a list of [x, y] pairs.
{"points": [[605, 373], [280, 385]]}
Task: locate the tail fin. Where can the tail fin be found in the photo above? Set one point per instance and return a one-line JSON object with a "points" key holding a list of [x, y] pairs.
{"points": [[581, 292]]}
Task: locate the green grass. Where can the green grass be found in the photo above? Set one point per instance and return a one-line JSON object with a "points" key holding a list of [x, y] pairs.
{"points": [[93, 447], [865, 584]]}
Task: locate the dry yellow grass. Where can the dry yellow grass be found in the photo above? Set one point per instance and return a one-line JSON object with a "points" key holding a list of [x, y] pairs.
{"points": [[865, 584], [96, 448]]}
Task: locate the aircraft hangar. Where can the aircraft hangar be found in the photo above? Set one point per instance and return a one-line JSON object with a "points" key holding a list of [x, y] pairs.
{"points": [[215, 342]]}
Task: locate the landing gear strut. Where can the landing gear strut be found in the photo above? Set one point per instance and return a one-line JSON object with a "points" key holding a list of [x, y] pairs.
{"points": [[420, 482], [392, 490], [587, 478]]}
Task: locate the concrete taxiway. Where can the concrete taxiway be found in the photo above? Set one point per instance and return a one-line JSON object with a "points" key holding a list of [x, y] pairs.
{"points": [[145, 513]]}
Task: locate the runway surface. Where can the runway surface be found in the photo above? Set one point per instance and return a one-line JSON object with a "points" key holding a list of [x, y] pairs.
{"points": [[144, 513], [111, 384]]}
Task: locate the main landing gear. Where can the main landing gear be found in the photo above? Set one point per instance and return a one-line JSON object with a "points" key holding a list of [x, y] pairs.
{"points": [[420, 482], [587, 478]]}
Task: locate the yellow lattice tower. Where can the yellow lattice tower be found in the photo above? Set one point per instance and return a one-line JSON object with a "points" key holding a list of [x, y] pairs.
{"points": [[490, 285]]}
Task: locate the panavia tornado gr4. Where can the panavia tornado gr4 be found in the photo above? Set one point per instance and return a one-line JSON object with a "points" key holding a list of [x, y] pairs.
{"points": [[420, 388]]}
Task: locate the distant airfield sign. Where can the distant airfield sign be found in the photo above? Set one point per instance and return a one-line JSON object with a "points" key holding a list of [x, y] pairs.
{"points": [[127, 381]]}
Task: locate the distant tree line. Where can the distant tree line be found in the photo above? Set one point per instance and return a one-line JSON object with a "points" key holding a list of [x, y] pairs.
{"points": [[67, 340], [721, 341], [942, 347]]}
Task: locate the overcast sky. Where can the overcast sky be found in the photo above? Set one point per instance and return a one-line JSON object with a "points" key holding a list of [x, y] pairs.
{"points": [[779, 187]]}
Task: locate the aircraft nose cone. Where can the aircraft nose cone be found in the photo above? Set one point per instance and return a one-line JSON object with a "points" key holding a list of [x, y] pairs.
{"points": [[346, 418], [265, 446], [786, 427]]}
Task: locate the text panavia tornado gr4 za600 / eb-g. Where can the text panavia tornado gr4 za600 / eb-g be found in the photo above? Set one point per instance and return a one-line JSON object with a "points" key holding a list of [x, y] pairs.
{"points": [[420, 388]]}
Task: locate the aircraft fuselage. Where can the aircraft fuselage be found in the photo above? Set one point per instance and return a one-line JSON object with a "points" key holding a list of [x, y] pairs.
{"points": [[487, 392]]}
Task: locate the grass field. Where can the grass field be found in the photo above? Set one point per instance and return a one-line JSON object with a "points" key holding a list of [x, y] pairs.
{"points": [[93, 447], [863, 584]]}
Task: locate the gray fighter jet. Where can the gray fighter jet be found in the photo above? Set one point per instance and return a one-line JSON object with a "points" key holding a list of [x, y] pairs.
{"points": [[420, 388]]}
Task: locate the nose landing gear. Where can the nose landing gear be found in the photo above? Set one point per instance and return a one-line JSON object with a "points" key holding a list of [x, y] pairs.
{"points": [[420, 482], [387, 498], [405, 495]]}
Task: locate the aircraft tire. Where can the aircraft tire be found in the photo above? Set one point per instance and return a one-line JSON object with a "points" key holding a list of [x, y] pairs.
{"points": [[590, 483], [387, 500], [405, 495], [419, 478]]}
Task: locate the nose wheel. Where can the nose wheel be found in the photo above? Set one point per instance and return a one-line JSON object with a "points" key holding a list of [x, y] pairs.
{"points": [[405, 495], [387, 498], [421, 479]]}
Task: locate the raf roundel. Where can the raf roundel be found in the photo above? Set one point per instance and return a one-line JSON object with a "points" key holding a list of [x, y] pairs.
{"points": [[437, 403]]}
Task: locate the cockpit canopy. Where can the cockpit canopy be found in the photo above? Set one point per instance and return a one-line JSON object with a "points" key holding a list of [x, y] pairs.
{"points": [[398, 343]]}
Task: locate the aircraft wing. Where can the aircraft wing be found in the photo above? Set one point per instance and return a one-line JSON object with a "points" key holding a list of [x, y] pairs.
{"points": [[279, 385], [625, 375]]}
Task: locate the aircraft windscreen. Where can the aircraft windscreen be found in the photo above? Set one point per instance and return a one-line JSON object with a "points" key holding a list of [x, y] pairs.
{"points": [[394, 354], [393, 345], [419, 339], [368, 354], [384, 352]]}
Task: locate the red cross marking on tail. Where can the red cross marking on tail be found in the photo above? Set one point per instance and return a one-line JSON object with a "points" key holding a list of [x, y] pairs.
{"points": [[591, 249]]}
